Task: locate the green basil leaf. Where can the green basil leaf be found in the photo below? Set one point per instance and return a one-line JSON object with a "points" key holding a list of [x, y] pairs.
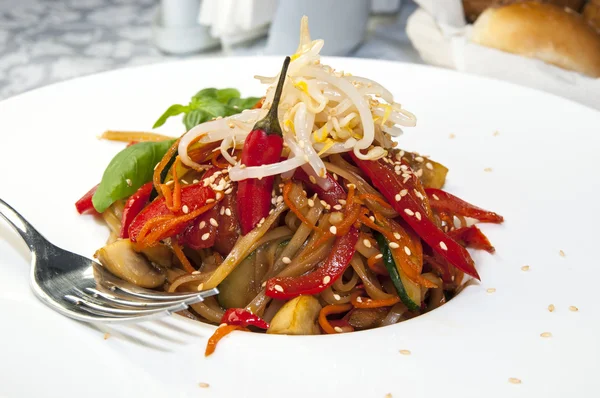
{"points": [[128, 171], [173, 110], [206, 93], [243, 103], [195, 117], [227, 94]]}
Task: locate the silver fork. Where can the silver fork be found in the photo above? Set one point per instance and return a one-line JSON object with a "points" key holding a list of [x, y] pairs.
{"points": [[80, 288]]}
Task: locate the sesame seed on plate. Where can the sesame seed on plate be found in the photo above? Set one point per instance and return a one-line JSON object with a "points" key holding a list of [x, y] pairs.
{"points": [[573, 308], [525, 268], [451, 136], [278, 288], [514, 380], [367, 243], [338, 329], [333, 229], [443, 246], [388, 395], [394, 245], [546, 334], [326, 279], [405, 352], [551, 308], [491, 290], [106, 336], [496, 133], [487, 169], [561, 253], [286, 260], [409, 212], [203, 385]]}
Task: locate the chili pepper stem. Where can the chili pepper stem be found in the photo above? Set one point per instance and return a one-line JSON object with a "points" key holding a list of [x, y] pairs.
{"points": [[270, 123]]}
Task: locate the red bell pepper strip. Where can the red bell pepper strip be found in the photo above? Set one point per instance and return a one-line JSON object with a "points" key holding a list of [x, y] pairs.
{"points": [[133, 206], [443, 201], [333, 190], [241, 317], [385, 179], [320, 279], [85, 205], [472, 237], [262, 146], [193, 196], [228, 230]]}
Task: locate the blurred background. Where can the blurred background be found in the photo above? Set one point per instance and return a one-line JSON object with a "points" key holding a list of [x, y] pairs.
{"points": [[552, 45]]}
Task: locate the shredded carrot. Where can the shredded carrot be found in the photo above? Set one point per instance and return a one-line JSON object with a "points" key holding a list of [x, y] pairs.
{"points": [[350, 197], [376, 265], [351, 215], [182, 258], [221, 332], [173, 202], [203, 152], [331, 309], [137, 136], [365, 302], [151, 224], [162, 164], [286, 192], [218, 163], [165, 226], [375, 198]]}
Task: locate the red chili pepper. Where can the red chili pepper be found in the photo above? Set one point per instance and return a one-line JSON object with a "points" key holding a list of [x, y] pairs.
{"points": [[472, 237], [262, 146], [193, 196], [330, 194], [241, 317], [85, 205], [443, 201], [341, 253], [385, 179], [133, 206]]}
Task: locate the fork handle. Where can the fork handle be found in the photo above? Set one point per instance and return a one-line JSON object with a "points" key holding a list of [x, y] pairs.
{"points": [[29, 234]]}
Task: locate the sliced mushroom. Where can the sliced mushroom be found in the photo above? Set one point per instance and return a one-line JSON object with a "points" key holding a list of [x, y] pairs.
{"points": [[160, 255], [123, 261], [297, 316]]}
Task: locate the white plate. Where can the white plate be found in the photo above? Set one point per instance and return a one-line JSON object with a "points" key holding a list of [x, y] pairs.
{"points": [[543, 181]]}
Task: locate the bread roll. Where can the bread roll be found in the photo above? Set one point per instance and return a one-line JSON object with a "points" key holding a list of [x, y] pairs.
{"points": [[543, 31], [591, 13], [473, 8]]}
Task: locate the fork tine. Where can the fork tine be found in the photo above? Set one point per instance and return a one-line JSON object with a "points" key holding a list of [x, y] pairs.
{"points": [[154, 295], [85, 303], [122, 319], [142, 303]]}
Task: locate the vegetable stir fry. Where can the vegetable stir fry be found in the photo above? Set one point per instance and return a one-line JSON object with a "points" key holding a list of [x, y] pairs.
{"points": [[298, 206]]}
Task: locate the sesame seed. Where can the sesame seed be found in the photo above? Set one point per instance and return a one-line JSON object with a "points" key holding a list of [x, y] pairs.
{"points": [[397, 235], [128, 181], [418, 215], [214, 222], [211, 200], [195, 272], [429, 165], [311, 203], [419, 159], [359, 299], [525, 268], [351, 186], [514, 380], [561, 253], [323, 203], [338, 329], [278, 288], [434, 196], [206, 236], [203, 385], [546, 334], [487, 169], [573, 308], [279, 199], [378, 256], [388, 395], [394, 245], [222, 211], [407, 250], [397, 197], [263, 284], [326, 279], [551, 308], [405, 352], [202, 224], [228, 211], [106, 336], [219, 195], [337, 297], [337, 207], [195, 182], [367, 243], [443, 246], [491, 290], [419, 172], [185, 209], [404, 192], [409, 212], [372, 218], [451, 136], [333, 229], [342, 201], [496, 133], [312, 179], [286, 260], [201, 287]]}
